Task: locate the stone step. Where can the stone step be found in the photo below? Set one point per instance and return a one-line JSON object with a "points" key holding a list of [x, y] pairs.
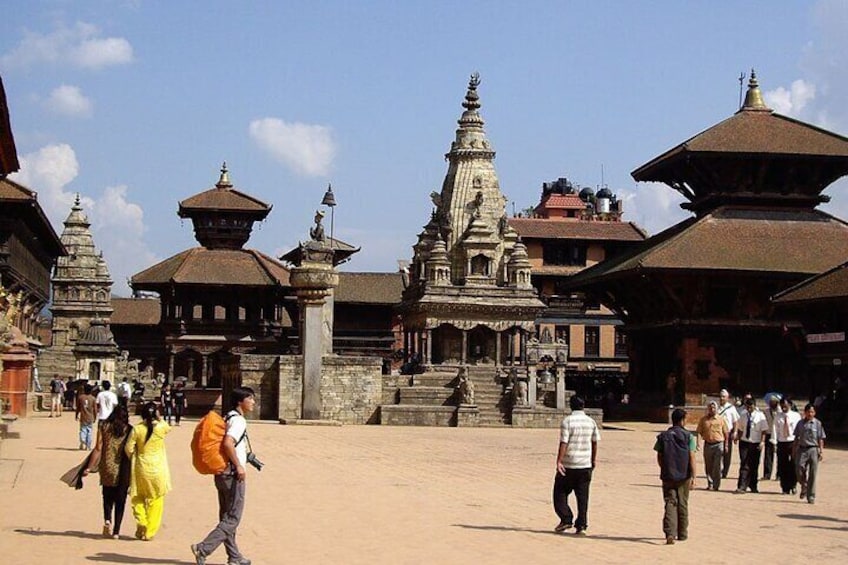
{"points": [[425, 395], [416, 415]]}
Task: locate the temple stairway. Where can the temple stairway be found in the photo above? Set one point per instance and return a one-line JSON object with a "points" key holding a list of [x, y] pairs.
{"points": [[431, 399]]}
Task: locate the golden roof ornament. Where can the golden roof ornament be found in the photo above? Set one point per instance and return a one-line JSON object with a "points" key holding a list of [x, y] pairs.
{"points": [[754, 97], [224, 181]]}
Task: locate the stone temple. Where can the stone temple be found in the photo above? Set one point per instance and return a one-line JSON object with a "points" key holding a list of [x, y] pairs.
{"points": [[469, 308]]}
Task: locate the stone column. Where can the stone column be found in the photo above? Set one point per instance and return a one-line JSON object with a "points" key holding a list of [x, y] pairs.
{"points": [[204, 369], [406, 352], [498, 349], [560, 388], [464, 346], [531, 388], [328, 321], [428, 351], [171, 366], [522, 348], [313, 278]]}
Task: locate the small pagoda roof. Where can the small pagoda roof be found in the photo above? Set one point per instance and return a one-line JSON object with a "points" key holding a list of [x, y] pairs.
{"points": [[536, 228], [202, 266], [753, 130], [754, 157], [223, 198], [729, 238], [826, 286], [341, 252]]}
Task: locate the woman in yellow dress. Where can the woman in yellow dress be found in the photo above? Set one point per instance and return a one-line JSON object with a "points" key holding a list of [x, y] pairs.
{"points": [[151, 478]]}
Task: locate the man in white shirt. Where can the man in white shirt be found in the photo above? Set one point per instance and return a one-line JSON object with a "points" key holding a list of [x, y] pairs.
{"points": [[784, 431], [230, 483], [124, 392], [106, 401], [728, 411], [751, 434], [576, 457]]}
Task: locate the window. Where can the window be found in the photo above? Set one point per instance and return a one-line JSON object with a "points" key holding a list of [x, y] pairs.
{"points": [[568, 254], [593, 341], [561, 333], [620, 343]]}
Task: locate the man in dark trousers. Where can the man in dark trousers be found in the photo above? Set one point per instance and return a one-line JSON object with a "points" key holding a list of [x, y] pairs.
{"points": [[576, 457], [230, 483], [751, 432], [675, 449]]}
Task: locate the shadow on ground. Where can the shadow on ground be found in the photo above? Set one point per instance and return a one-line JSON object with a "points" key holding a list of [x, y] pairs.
{"points": [[119, 558], [66, 533], [649, 541]]}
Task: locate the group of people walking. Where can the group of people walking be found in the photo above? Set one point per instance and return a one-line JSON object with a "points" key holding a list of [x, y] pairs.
{"points": [[795, 440], [132, 461], [778, 433]]}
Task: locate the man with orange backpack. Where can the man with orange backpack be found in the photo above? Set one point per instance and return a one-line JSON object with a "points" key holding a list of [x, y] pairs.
{"points": [[229, 480]]}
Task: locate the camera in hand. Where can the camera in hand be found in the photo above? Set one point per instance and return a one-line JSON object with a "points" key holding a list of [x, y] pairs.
{"points": [[254, 461]]}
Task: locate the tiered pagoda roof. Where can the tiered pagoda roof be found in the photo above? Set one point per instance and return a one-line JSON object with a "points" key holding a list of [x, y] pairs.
{"points": [[223, 220]]}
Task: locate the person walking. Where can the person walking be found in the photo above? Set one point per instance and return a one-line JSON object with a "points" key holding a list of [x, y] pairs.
{"points": [[784, 432], [166, 403], [124, 392], [151, 477], [85, 414], [728, 411], [113, 466], [675, 449], [180, 402], [712, 428], [770, 440], [57, 396], [106, 402], [576, 459], [809, 451], [230, 484], [750, 433]]}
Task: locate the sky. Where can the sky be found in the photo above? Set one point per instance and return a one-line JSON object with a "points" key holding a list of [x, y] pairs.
{"points": [[135, 104]]}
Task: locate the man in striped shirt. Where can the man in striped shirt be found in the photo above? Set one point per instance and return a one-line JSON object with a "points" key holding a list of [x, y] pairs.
{"points": [[578, 451]]}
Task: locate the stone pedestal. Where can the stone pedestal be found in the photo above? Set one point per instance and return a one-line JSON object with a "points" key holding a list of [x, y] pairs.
{"points": [[467, 415]]}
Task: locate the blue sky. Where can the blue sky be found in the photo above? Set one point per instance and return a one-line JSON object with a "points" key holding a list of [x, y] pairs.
{"points": [[135, 104]]}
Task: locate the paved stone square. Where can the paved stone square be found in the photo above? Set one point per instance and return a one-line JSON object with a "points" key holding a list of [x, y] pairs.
{"points": [[372, 494]]}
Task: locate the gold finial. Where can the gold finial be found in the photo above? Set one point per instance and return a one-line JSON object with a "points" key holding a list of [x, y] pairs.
{"points": [[76, 205], [224, 181], [754, 98]]}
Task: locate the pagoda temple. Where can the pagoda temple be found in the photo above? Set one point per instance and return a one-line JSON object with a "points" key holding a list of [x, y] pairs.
{"points": [[469, 299], [695, 298], [218, 298]]}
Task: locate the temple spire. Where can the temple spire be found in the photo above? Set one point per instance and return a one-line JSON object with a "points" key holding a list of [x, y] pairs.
{"points": [[224, 181], [754, 98]]}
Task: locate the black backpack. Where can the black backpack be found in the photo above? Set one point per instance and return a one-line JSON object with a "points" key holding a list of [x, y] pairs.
{"points": [[55, 386], [675, 454]]}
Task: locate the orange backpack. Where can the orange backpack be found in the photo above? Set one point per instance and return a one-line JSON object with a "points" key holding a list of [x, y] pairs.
{"points": [[207, 454]]}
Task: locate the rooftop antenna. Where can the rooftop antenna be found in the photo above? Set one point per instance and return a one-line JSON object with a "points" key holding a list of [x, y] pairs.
{"points": [[742, 77]]}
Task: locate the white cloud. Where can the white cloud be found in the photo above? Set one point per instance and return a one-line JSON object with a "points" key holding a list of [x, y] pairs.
{"points": [[69, 101], [792, 101], [117, 224], [652, 206], [306, 149], [79, 46]]}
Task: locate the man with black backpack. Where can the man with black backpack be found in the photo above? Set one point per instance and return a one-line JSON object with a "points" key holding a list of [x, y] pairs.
{"points": [[675, 449], [230, 482]]}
